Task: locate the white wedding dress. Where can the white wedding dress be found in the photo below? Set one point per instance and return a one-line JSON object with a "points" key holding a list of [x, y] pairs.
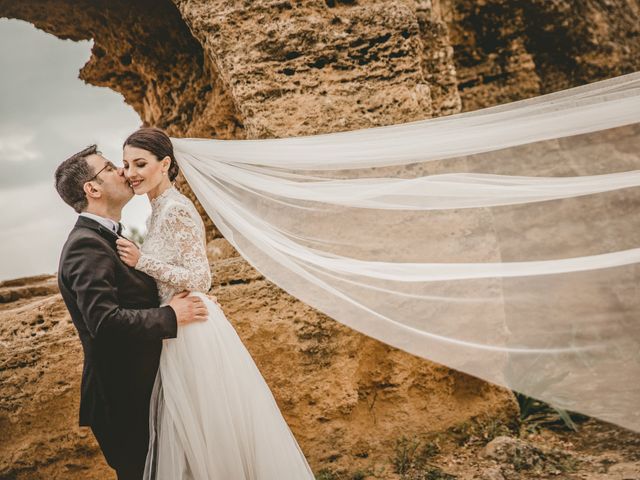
{"points": [[213, 416]]}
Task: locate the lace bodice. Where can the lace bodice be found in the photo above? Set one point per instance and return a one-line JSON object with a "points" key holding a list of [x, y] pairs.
{"points": [[174, 251]]}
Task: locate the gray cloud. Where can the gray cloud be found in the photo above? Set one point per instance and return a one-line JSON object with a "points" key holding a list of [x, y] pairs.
{"points": [[44, 100], [47, 114]]}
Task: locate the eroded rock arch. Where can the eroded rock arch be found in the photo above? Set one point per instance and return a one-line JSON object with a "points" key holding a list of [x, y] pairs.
{"points": [[232, 69]]}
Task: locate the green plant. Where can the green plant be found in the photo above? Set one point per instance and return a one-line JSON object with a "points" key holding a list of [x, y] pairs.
{"points": [[135, 235], [412, 457], [405, 451], [536, 413], [326, 474], [435, 473], [478, 430]]}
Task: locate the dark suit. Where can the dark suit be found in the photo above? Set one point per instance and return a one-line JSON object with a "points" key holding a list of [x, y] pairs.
{"points": [[115, 310]]}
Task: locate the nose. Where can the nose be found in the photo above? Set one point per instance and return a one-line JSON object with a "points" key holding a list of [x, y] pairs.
{"points": [[121, 171], [130, 171]]}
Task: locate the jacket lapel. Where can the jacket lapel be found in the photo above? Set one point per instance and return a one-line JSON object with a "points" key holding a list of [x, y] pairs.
{"points": [[86, 222]]}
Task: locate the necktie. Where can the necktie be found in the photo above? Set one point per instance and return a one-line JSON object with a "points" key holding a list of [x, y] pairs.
{"points": [[119, 229]]}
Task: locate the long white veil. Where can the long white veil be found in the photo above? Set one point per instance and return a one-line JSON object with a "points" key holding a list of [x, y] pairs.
{"points": [[504, 242]]}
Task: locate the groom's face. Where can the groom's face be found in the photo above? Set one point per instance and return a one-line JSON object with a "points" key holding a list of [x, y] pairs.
{"points": [[113, 185]]}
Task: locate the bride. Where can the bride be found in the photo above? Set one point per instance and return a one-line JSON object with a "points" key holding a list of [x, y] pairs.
{"points": [[212, 414]]}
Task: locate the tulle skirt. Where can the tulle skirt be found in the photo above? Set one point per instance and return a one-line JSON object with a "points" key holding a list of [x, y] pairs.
{"points": [[213, 416]]}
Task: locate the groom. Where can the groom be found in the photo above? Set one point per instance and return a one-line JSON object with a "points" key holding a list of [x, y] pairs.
{"points": [[115, 310]]}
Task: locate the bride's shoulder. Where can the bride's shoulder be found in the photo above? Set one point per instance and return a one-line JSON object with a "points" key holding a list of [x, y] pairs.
{"points": [[178, 204]]}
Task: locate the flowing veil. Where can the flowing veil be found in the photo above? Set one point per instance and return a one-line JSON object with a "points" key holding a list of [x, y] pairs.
{"points": [[504, 242]]}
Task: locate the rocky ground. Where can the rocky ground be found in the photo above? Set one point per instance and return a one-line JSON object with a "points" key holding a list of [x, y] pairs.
{"points": [[493, 451], [233, 69], [36, 376], [345, 398]]}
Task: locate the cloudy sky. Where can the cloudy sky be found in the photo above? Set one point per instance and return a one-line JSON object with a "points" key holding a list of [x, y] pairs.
{"points": [[46, 115]]}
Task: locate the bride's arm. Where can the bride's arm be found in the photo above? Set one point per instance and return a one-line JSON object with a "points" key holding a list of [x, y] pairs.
{"points": [[182, 232]]}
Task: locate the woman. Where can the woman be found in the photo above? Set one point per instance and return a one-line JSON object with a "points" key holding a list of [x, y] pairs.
{"points": [[212, 414]]}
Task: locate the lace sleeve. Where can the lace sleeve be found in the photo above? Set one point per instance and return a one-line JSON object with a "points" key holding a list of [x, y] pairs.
{"points": [[183, 239]]}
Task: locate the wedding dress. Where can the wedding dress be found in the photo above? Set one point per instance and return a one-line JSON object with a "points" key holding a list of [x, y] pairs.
{"points": [[213, 416]]}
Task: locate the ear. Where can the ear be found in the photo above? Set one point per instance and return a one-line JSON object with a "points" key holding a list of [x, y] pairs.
{"points": [[91, 191], [166, 163]]}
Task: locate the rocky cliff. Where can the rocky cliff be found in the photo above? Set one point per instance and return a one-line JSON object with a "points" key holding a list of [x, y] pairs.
{"points": [[277, 68]]}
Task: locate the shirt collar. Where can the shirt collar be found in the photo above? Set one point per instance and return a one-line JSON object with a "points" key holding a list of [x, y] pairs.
{"points": [[105, 222]]}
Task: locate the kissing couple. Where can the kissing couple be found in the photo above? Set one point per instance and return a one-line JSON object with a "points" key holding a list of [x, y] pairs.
{"points": [[168, 388]]}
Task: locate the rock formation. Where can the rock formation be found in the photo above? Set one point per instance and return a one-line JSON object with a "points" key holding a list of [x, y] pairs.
{"points": [[232, 69]]}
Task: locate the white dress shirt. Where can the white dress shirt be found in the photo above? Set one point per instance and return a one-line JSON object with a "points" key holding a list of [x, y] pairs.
{"points": [[105, 222]]}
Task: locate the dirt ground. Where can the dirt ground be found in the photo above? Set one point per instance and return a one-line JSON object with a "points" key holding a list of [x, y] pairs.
{"points": [[538, 448]]}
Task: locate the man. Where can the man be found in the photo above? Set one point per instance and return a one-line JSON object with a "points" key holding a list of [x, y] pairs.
{"points": [[115, 310]]}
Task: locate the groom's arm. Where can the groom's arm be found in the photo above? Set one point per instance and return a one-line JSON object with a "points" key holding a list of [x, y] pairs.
{"points": [[90, 272]]}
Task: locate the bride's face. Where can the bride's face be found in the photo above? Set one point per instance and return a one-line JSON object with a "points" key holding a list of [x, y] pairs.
{"points": [[143, 170]]}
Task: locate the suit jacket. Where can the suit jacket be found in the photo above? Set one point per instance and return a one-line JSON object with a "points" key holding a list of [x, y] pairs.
{"points": [[115, 310]]}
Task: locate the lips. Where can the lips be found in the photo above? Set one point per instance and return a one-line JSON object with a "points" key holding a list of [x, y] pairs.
{"points": [[136, 183]]}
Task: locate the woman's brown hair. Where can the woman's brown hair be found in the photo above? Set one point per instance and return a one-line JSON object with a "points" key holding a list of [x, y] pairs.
{"points": [[158, 143]]}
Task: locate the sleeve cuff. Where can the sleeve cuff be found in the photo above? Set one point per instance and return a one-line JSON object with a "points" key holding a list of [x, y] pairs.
{"points": [[172, 322]]}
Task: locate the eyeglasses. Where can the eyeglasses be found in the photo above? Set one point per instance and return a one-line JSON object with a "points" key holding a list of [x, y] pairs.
{"points": [[108, 164]]}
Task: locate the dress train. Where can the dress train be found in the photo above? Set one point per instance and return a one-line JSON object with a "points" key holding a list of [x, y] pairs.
{"points": [[213, 417]]}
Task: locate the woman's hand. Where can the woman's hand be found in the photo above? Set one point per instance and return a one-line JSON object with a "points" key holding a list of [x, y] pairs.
{"points": [[128, 251]]}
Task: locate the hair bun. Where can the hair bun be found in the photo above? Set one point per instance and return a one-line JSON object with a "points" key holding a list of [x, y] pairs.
{"points": [[173, 169]]}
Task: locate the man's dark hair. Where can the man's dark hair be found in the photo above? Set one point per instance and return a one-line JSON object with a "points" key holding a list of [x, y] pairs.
{"points": [[72, 174]]}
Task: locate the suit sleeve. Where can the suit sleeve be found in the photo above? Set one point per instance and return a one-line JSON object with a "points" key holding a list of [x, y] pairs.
{"points": [[94, 284]]}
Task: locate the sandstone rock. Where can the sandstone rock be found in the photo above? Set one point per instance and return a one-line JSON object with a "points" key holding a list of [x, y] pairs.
{"points": [[231, 69], [41, 285], [505, 50], [625, 471], [522, 456], [314, 69], [493, 473], [507, 449], [40, 369]]}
